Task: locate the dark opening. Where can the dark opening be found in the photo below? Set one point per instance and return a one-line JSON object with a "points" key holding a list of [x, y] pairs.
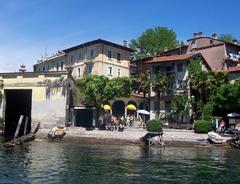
{"points": [[18, 102], [118, 108], [83, 117]]}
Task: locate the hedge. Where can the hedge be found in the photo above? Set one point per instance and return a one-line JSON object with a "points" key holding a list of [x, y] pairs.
{"points": [[154, 125], [202, 126]]}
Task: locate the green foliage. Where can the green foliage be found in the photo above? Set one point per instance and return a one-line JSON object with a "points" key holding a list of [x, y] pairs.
{"points": [[160, 85], [207, 111], [154, 125], [203, 84], [228, 38], [180, 104], [202, 126], [95, 89], [153, 41], [227, 97]]}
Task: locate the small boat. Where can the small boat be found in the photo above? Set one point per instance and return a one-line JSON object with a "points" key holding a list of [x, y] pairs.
{"points": [[235, 142], [215, 138], [57, 132]]}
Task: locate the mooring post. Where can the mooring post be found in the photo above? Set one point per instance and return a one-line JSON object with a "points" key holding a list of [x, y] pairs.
{"points": [[25, 126], [18, 126]]}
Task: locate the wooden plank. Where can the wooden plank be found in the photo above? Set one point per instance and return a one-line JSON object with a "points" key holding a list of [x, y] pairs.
{"points": [[18, 126], [25, 126]]}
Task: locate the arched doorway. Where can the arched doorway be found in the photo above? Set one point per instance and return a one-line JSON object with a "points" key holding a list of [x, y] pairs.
{"points": [[118, 108]]}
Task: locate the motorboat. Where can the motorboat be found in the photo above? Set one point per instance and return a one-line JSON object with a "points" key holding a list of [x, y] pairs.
{"points": [[215, 138], [235, 142]]}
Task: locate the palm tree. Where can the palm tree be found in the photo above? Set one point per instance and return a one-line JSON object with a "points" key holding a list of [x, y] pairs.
{"points": [[160, 85], [142, 83]]}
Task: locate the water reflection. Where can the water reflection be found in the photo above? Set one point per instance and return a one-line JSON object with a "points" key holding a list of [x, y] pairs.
{"points": [[47, 162]]}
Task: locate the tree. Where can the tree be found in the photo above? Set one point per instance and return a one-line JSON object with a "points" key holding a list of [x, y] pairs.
{"points": [[226, 98], [141, 83], [96, 90], [153, 41], [203, 84], [160, 85], [229, 38], [181, 105]]}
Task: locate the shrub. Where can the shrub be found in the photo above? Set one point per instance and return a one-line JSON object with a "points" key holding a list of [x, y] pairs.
{"points": [[154, 125], [202, 126]]}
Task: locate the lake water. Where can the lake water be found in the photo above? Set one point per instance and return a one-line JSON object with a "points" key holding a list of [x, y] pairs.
{"points": [[48, 162]]}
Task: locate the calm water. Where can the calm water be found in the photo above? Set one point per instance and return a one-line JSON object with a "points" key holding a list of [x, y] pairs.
{"points": [[47, 162]]}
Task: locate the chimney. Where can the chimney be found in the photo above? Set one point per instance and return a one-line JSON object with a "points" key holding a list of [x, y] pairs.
{"points": [[195, 35], [125, 43], [200, 34], [234, 41], [22, 68], [214, 35]]}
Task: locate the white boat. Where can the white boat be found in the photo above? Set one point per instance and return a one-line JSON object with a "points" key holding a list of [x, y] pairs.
{"points": [[215, 138]]}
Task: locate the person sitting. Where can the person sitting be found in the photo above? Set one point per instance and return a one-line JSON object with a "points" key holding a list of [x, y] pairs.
{"points": [[121, 127]]}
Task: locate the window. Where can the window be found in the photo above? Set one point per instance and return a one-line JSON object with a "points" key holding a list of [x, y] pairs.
{"points": [[179, 67], [109, 70], [92, 52], [57, 66], [72, 60], [62, 65], [80, 56], [109, 54], [156, 70], [48, 68], [78, 73], [43, 69], [119, 72], [118, 56], [89, 69]]}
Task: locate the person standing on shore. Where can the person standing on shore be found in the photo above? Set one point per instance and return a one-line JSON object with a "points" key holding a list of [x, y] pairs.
{"points": [[222, 126]]}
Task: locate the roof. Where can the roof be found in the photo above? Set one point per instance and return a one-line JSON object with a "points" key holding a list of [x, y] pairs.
{"points": [[96, 42], [234, 69], [159, 59]]}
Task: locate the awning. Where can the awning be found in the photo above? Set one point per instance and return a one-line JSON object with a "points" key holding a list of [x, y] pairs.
{"points": [[106, 107], [131, 107]]}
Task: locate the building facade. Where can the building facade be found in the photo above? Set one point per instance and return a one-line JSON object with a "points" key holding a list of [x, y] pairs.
{"points": [[39, 96], [99, 57]]}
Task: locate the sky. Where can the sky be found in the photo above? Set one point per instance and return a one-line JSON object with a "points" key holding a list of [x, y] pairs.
{"points": [[30, 29]]}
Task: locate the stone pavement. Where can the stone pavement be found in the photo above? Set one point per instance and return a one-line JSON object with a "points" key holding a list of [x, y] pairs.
{"points": [[129, 134]]}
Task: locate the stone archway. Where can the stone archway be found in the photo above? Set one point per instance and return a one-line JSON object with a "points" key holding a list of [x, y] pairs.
{"points": [[118, 108]]}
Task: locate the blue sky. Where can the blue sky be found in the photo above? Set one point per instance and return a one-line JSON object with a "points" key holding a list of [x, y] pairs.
{"points": [[31, 28]]}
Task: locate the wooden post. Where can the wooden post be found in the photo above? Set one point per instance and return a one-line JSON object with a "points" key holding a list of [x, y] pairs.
{"points": [[18, 126], [25, 126]]}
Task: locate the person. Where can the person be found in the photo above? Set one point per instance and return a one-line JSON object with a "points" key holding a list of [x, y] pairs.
{"points": [[222, 126], [121, 126], [131, 121]]}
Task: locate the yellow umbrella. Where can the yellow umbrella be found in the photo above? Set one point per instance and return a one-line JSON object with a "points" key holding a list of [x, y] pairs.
{"points": [[131, 107], [106, 107]]}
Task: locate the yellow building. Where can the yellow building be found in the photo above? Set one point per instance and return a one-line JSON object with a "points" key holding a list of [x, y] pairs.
{"points": [[39, 96], [98, 57]]}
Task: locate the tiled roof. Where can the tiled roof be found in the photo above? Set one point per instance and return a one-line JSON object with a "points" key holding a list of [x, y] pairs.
{"points": [[233, 69], [170, 58]]}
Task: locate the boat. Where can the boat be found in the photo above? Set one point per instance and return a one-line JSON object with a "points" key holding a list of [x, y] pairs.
{"points": [[235, 142], [57, 132], [215, 138]]}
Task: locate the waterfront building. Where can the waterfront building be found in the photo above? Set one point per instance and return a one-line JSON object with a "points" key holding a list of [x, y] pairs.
{"points": [[40, 96], [99, 57], [217, 55]]}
